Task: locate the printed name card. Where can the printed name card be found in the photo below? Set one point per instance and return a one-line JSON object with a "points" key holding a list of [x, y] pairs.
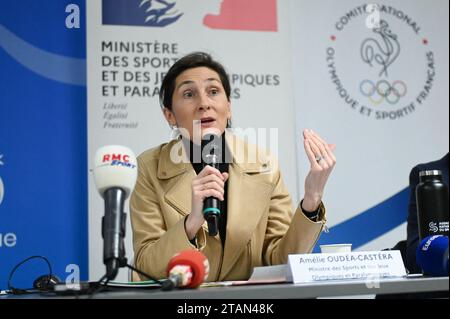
{"points": [[348, 265]]}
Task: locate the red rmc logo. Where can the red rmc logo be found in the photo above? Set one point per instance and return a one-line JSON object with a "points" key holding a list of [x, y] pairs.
{"points": [[116, 157]]}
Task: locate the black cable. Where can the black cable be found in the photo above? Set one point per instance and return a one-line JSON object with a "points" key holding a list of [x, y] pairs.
{"points": [[97, 286], [166, 284], [100, 285], [14, 290], [140, 272], [94, 289]]}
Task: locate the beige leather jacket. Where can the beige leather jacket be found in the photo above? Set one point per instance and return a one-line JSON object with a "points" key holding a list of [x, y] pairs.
{"points": [[261, 229]]}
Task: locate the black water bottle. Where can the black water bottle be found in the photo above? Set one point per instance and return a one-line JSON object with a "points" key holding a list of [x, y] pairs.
{"points": [[432, 204]]}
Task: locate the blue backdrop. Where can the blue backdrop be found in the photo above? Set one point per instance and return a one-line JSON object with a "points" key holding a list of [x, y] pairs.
{"points": [[43, 139]]}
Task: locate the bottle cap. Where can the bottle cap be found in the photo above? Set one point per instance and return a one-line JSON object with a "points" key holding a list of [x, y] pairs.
{"points": [[430, 173]]}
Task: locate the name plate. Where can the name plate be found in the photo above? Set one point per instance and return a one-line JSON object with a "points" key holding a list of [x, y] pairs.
{"points": [[348, 265]]}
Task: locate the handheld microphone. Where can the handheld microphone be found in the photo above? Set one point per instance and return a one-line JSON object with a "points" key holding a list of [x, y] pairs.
{"points": [[187, 269], [211, 205], [115, 173], [432, 255]]}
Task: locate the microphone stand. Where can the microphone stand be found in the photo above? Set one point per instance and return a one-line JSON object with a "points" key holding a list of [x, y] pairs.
{"points": [[113, 231]]}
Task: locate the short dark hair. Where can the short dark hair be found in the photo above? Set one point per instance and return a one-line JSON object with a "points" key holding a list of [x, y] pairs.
{"points": [[190, 61]]}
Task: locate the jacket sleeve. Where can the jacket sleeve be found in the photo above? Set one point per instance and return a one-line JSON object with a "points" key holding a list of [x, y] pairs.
{"points": [[287, 234], [154, 244]]}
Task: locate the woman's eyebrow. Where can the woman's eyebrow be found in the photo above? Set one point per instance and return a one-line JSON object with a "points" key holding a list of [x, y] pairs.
{"points": [[184, 83], [190, 82], [212, 80]]}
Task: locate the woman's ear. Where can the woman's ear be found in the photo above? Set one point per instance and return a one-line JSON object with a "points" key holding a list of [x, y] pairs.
{"points": [[170, 117]]}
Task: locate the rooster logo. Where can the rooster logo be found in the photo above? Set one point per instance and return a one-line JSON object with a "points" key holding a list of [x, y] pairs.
{"points": [[383, 51], [160, 12]]}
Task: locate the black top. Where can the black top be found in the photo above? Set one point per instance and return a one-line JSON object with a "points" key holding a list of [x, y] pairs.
{"points": [[198, 164]]}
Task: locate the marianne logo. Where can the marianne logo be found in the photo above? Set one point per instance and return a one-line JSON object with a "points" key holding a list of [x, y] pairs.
{"points": [[377, 60], [242, 15], [151, 13], [248, 15]]}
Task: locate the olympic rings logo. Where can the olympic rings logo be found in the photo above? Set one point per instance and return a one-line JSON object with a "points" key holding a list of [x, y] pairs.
{"points": [[385, 91]]}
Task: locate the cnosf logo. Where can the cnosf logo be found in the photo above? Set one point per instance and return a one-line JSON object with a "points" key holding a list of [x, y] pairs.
{"points": [[381, 64]]}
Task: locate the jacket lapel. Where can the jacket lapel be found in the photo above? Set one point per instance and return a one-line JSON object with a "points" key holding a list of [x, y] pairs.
{"points": [[175, 167], [248, 198], [179, 195]]}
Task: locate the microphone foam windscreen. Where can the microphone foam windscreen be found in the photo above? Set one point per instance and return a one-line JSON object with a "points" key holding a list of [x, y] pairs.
{"points": [[115, 166], [198, 263], [432, 255]]}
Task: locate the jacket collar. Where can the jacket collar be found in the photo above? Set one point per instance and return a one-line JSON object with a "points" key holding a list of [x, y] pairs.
{"points": [[173, 160]]}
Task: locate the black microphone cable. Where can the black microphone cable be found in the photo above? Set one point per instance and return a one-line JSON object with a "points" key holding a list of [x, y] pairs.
{"points": [[102, 283], [93, 288], [20, 291]]}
